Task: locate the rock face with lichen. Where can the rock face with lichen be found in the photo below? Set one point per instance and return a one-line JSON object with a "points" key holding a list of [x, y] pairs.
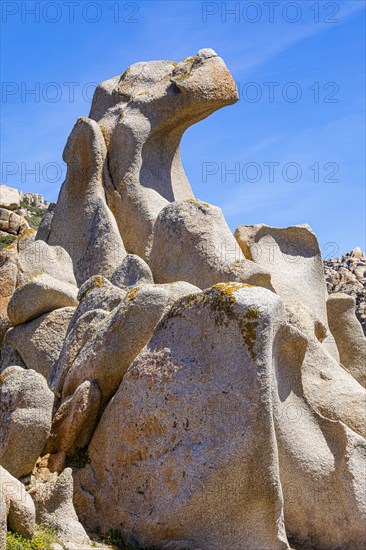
{"points": [[194, 388]]}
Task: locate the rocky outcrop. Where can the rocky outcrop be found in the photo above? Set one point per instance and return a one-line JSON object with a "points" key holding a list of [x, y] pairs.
{"points": [[12, 223], [293, 258], [104, 358], [205, 390], [25, 419], [35, 199], [144, 112], [9, 198], [223, 365], [347, 274], [24, 259], [198, 382]]}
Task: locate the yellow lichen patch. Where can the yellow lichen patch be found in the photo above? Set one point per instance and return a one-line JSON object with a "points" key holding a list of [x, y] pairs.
{"points": [[198, 202], [26, 234], [186, 74], [4, 376], [191, 59], [221, 300], [125, 73], [33, 276], [131, 294], [10, 248], [230, 288], [97, 281]]}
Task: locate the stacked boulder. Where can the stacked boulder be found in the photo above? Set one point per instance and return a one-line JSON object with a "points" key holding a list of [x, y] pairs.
{"points": [[11, 223], [347, 274], [162, 377]]}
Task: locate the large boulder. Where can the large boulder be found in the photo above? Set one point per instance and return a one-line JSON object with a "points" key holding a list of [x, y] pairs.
{"points": [[330, 389], [16, 506], [132, 271], [75, 420], [293, 258], [40, 341], [97, 298], [348, 334], [38, 257], [210, 438], [9, 197], [144, 113], [82, 223], [40, 294], [8, 277], [121, 336], [203, 380], [12, 223], [104, 358], [192, 242], [54, 507], [25, 419]]}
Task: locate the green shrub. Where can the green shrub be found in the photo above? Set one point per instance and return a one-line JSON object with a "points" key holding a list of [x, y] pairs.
{"points": [[6, 240], [43, 538], [115, 540], [35, 214], [78, 459]]}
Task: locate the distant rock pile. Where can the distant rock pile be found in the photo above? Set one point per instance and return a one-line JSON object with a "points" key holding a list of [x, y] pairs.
{"points": [[18, 212], [347, 274]]}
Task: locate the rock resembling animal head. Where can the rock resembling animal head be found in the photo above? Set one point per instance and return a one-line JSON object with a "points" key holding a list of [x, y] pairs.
{"points": [[166, 92], [143, 114]]}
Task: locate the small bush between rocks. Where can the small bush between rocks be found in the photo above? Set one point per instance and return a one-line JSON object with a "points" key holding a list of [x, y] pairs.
{"points": [[78, 459], [43, 539], [6, 240], [116, 540], [35, 214]]}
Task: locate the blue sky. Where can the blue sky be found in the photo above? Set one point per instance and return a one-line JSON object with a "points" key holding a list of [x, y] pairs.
{"points": [[290, 151]]}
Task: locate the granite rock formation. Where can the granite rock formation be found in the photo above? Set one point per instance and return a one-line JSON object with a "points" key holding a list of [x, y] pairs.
{"points": [[152, 384]]}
